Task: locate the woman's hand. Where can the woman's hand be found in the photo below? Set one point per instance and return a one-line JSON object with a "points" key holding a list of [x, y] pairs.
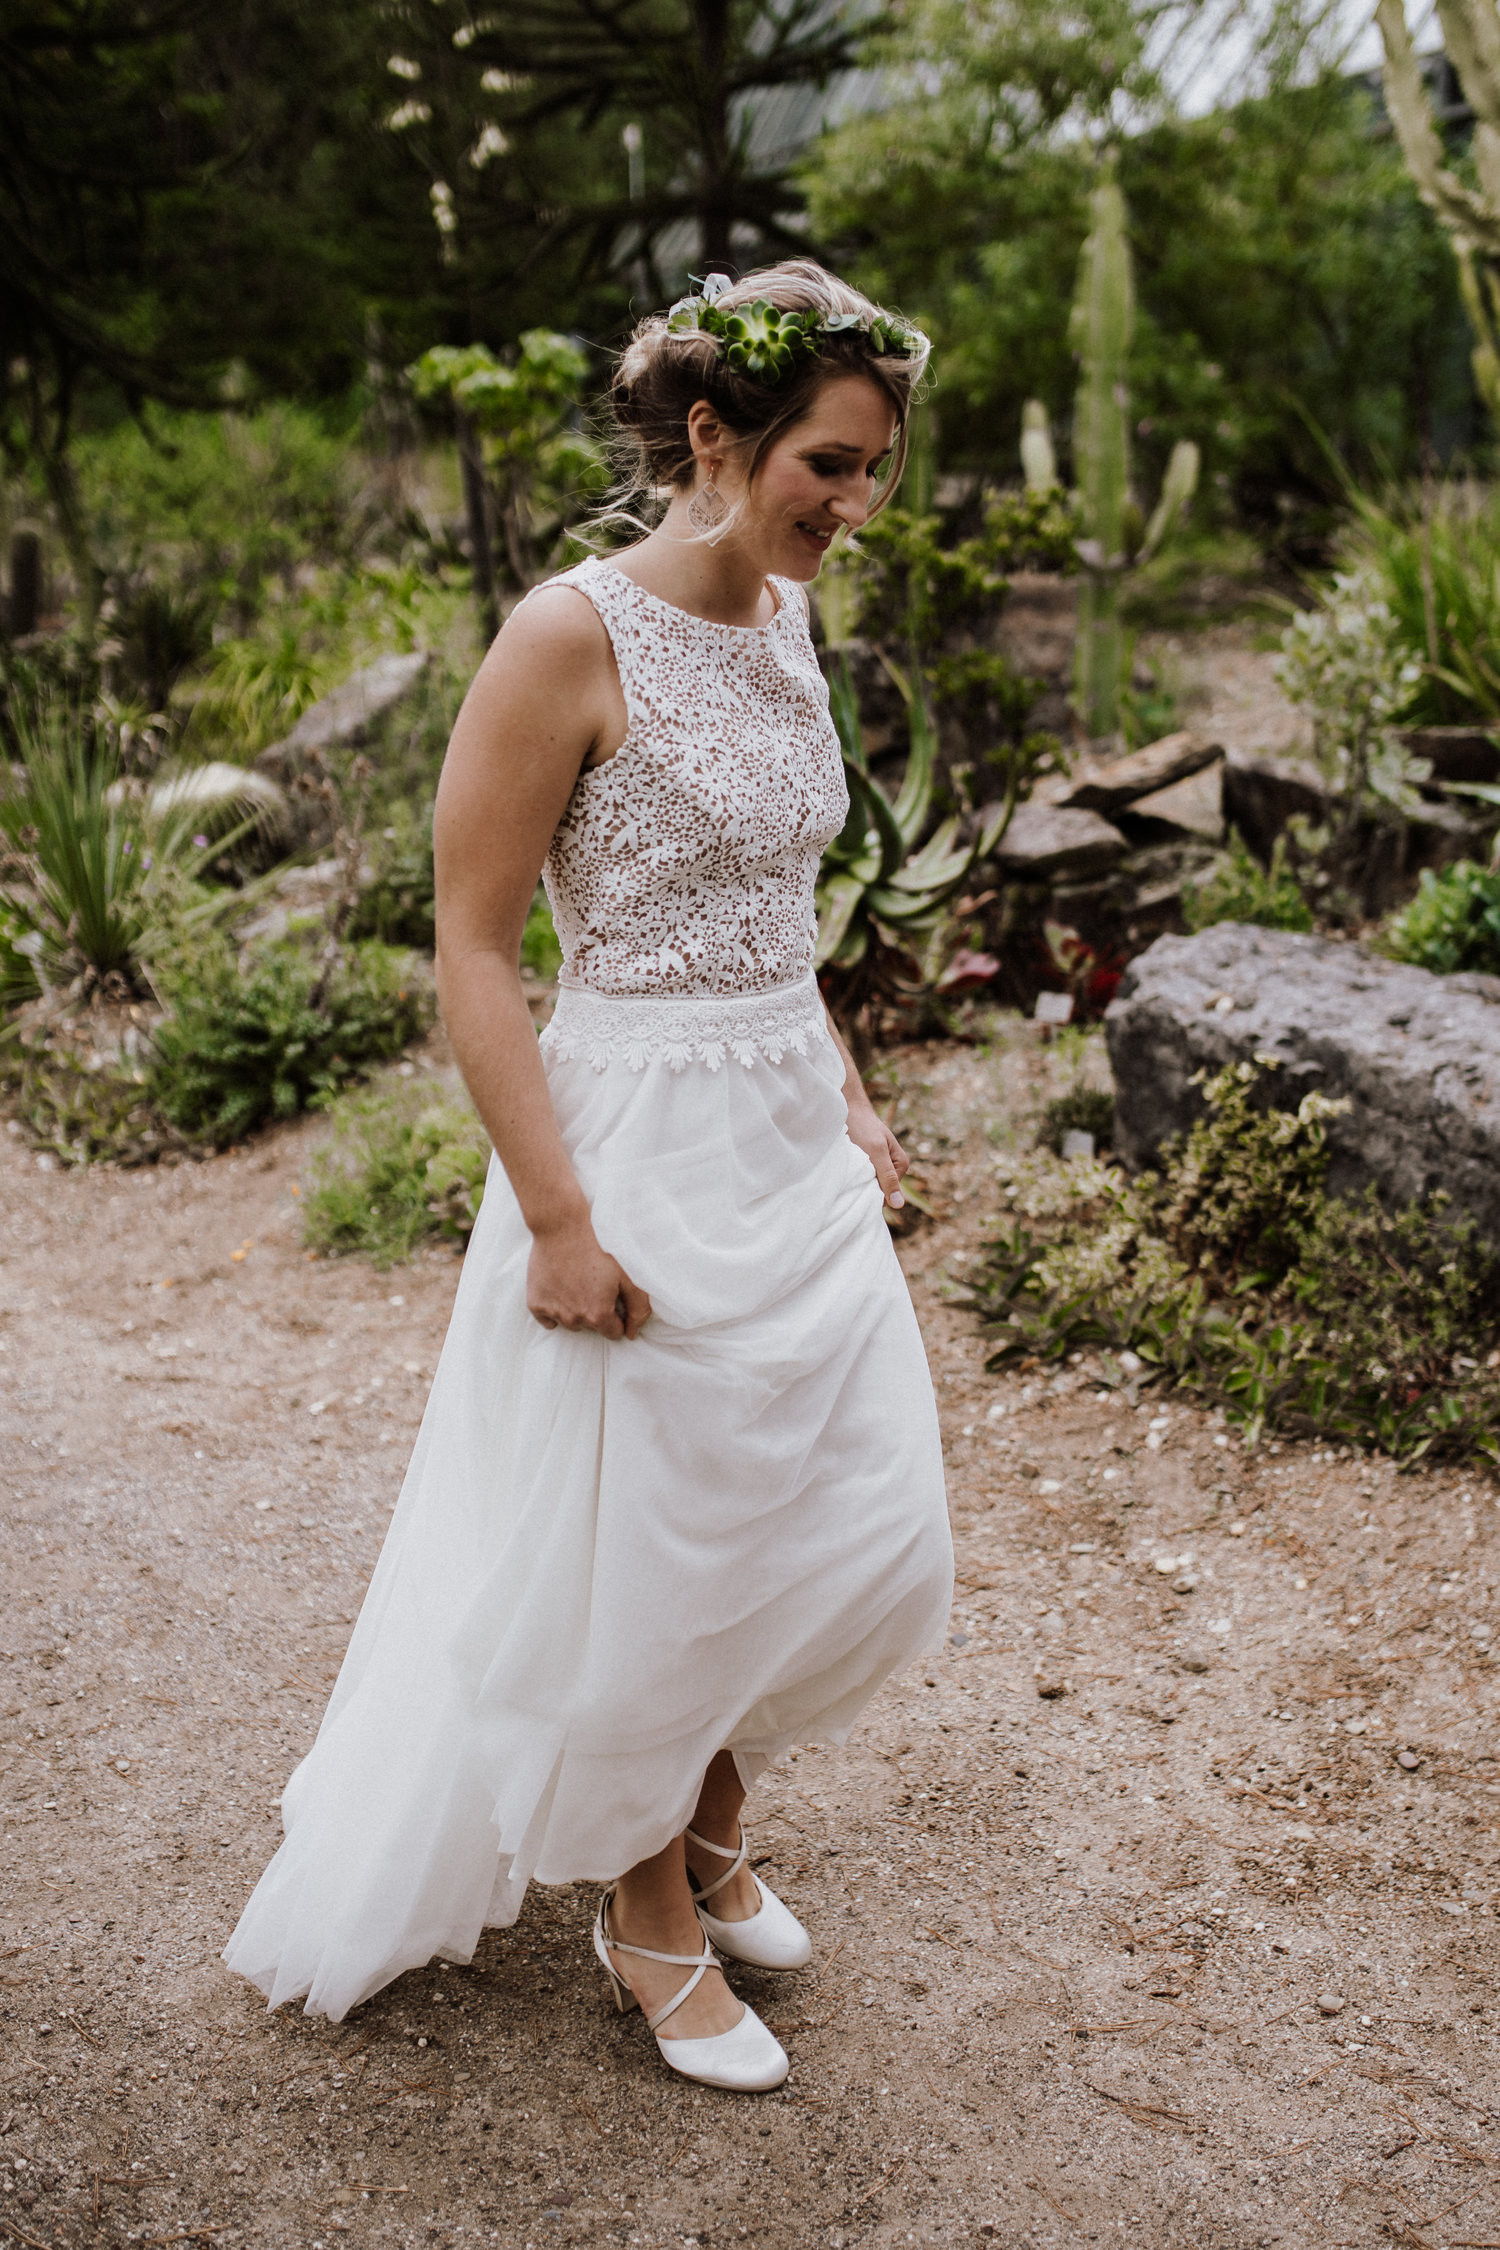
{"points": [[869, 1131], [572, 1283]]}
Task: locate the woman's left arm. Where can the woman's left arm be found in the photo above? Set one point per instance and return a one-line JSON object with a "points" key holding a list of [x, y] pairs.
{"points": [[868, 1130]]}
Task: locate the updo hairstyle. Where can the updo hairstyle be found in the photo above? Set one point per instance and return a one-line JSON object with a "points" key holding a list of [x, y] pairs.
{"points": [[662, 374]]}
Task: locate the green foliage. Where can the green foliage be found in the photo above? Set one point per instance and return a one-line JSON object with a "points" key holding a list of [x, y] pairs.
{"points": [[1433, 558], [95, 870], [397, 1169], [1238, 889], [214, 508], [1082, 1109], [878, 887], [1346, 662], [540, 951], [912, 589], [544, 471], [246, 1043], [398, 903], [1287, 276], [1453, 923], [1232, 1272], [83, 1107], [18, 978]]}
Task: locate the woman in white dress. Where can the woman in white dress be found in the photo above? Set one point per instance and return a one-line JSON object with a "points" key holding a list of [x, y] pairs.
{"points": [[677, 1499]]}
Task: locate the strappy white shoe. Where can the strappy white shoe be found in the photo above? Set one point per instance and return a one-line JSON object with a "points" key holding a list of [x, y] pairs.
{"points": [[772, 1937], [746, 2059]]}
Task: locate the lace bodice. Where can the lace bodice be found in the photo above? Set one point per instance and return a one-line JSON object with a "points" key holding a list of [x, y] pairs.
{"points": [[685, 864]]}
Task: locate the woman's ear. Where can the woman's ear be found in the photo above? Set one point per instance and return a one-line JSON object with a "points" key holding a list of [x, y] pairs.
{"points": [[707, 435]]}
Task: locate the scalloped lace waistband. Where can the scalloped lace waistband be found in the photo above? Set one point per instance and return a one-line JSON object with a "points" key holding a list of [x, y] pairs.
{"points": [[634, 1028]]}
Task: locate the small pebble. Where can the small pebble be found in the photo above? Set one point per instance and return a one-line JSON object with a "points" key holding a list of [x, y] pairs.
{"points": [[1194, 1660], [1329, 2004], [1408, 1760], [1049, 1685]]}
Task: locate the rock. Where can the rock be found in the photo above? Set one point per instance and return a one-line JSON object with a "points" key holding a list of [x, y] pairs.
{"points": [[1261, 795], [1416, 1056], [1456, 753], [1408, 1761], [1050, 1685], [1160, 765], [1195, 1660], [1047, 840], [1191, 807], [1329, 2004], [349, 712]]}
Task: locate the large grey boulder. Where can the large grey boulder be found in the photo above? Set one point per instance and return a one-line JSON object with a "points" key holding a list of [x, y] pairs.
{"points": [[1416, 1056]]}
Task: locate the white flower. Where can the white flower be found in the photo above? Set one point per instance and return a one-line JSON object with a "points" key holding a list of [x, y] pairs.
{"points": [[491, 142]]}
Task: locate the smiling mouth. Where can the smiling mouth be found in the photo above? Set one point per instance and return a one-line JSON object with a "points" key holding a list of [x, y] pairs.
{"points": [[823, 533]]}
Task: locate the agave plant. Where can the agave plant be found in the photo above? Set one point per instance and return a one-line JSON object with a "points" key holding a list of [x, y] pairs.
{"points": [[879, 890], [91, 869]]}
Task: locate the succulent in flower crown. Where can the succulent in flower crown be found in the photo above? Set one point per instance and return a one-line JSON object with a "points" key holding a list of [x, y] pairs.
{"points": [[766, 345]]}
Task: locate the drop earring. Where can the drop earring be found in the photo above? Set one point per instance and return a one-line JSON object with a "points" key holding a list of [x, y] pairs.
{"points": [[708, 508]]}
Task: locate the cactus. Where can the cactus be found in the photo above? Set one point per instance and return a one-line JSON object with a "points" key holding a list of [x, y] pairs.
{"points": [[1114, 537], [1471, 216]]}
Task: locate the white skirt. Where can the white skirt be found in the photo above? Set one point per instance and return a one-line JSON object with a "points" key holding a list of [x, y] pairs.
{"points": [[611, 1560]]}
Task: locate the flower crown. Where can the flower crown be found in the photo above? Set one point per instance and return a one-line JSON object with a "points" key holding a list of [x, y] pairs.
{"points": [[767, 345]]}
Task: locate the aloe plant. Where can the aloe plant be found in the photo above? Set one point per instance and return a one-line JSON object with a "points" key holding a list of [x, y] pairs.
{"points": [[879, 887]]}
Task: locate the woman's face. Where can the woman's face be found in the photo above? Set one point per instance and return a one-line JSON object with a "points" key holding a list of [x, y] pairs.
{"points": [[820, 475]]}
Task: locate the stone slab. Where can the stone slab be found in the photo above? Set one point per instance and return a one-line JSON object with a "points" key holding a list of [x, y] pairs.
{"points": [[1417, 1056], [1044, 841], [1122, 781], [1191, 807], [350, 710]]}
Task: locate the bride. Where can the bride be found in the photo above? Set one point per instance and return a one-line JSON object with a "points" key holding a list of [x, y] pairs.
{"points": [[677, 1499]]}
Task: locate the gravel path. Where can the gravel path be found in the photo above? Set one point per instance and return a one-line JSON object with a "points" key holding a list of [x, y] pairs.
{"points": [[1198, 1950]]}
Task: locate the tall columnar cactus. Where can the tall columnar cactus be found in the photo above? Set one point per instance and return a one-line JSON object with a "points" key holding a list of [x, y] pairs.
{"points": [[1471, 215], [1114, 537]]}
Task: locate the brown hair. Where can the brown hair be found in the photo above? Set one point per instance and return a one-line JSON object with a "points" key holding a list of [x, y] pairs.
{"points": [[662, 374]]}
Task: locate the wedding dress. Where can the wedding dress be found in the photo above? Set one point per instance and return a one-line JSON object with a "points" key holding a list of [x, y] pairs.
{"points": [[612, 1559]]}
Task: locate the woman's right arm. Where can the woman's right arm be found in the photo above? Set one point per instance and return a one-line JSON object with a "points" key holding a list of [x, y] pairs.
{"points": [[544, 698]]}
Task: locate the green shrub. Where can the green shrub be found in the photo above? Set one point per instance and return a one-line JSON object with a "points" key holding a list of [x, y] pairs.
{"points": [[398, 903], [244, 1044], [540, 951], [1436, 560], [83, 1108], [1233, 1273], [1238, 889], [397, 1169], [18, 977], [1452, 924], [1082, 1109]]}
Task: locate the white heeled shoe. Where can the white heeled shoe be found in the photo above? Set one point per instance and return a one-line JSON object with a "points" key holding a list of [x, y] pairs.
{"points": [[746, 2059], [772, 1937]]}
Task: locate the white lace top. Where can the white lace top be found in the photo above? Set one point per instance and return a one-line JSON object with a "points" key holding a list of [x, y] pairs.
{"points": [[685, 863]]}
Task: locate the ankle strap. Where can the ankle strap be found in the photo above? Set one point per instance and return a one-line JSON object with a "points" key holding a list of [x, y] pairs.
{"points": [[699, 1963], [736, 1858]]}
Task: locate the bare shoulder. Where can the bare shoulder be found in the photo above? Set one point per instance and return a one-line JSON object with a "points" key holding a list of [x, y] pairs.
{"points": [[556, 629]]}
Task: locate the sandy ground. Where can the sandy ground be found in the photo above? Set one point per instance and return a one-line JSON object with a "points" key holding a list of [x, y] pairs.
{"points": [[1200, 1950]]}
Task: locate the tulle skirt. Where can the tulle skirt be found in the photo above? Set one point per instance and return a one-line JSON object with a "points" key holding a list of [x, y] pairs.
{"points": [[611, 1560]]}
